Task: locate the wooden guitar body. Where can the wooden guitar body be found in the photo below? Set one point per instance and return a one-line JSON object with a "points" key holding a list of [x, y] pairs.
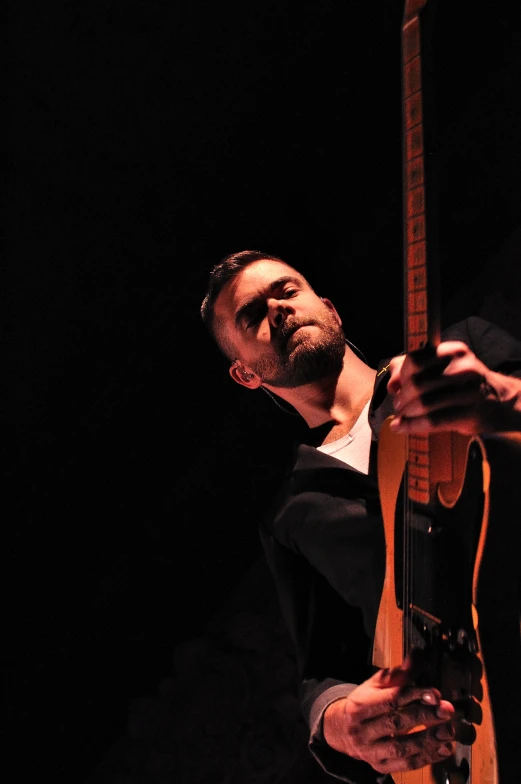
{"points": [[452, 590]]}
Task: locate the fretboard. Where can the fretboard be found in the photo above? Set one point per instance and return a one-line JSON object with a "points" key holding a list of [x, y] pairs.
{"points": [[420, 326]]}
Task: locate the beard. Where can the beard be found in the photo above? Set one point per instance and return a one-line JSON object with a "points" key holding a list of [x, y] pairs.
{"points": [[302, 358]]}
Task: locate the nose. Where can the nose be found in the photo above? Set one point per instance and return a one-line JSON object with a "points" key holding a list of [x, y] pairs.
{"points": [[278, 311]]}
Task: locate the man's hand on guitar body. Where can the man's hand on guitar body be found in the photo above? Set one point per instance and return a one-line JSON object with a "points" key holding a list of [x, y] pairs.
{"points": [[450, 389], [373, 722]]}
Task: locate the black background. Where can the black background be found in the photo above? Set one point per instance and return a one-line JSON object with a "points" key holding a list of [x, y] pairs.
{"points": [[145, 141]]}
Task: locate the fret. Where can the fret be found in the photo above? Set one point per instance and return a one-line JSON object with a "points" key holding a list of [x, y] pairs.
{"points": [[413, 110], [416, 228], [413, 8], [418, 473], [416, 342], [418, 469], [416, 252], [418, 444], [411, 38], [417, 279], [419, 492], [415, 202], [417, 323], [416, 301], [414, 173], [411, 81], [419, 458]]}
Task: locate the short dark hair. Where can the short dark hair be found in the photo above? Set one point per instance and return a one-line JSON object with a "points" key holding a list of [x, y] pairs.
{"points": [[221, 274]]}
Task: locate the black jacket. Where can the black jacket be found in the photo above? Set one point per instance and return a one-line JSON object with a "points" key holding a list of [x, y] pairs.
{"points": [[324, 544]]}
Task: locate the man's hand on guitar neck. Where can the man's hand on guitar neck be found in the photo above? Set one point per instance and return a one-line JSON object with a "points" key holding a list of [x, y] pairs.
{"points": [[450, 389], [375, 723]]}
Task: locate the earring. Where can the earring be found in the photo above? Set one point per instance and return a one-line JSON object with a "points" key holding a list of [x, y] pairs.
{"points": [[244, 375]]}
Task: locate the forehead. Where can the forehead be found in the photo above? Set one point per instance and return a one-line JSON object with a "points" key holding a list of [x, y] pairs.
{"points": [[255, 280]]}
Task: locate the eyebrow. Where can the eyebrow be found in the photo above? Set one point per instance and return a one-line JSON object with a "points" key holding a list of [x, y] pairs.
{"points": [[276, 284]]}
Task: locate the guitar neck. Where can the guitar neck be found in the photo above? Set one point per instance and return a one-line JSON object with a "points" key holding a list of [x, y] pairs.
{"points": [[421, 317], [422, 323]]}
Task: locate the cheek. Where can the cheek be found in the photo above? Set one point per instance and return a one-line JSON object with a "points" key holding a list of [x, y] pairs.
{"points": [[262, 336], [336, 317]]}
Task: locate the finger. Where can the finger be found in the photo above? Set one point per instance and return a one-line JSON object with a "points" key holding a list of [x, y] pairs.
{"points": [[444, 352], [458, 375], [455, 368], [453, 348], [461, 393], [460, 420], [414, 717], [368, 703], [395, 374], [422, 357], [424, 365], [415, 761], [394, 676], [411, 666], [433, 371], [413, 751]]}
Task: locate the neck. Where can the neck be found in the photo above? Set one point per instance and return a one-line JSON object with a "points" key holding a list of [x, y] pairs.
{"points": [[338, 399]]}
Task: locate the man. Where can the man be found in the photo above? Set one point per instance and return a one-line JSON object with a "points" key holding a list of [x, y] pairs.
{"points": [[324, 538]]}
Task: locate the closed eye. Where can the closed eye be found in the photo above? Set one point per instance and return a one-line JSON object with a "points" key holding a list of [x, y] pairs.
{"points": [[254, 315], [256, 312], [251, 313]]}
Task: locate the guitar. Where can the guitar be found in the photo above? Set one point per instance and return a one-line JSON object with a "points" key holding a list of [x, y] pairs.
{"points": [[452, 521]]}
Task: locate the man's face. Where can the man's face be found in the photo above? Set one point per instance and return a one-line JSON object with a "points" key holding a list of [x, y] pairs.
{"points": [[278, 326]]}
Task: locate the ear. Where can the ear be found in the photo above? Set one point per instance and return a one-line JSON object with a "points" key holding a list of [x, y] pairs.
{"points": [[331, 307], [243, 376]]}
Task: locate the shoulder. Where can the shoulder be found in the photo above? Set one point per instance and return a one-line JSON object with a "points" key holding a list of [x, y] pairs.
{"points": [[497, 348], [318, 492], [478, 330]]}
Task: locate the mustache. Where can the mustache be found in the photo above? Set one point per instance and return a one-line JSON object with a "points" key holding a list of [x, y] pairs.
{"points": [[291, 325]]}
